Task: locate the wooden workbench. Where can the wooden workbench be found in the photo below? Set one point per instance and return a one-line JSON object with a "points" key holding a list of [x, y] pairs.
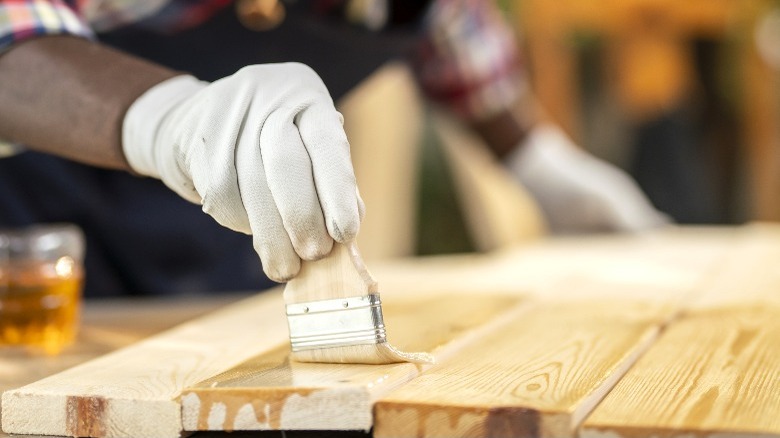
{"points": [[672, 333]]}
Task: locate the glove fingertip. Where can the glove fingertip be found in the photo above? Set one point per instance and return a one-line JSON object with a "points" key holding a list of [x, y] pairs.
{"points": [[282, 272], [280, 263], [344, 230], [315, 249]]}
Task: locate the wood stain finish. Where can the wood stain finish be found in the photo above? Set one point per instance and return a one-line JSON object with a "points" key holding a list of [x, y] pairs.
{"points": [[594, 310], [538, 375], [278, 392], [715, 370]]}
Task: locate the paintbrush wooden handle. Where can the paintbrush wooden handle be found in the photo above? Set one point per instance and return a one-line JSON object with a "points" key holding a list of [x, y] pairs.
{"points": [[341, 274]]}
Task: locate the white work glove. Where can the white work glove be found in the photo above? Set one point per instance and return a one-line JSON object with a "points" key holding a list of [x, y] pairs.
{"points": [[263, 151], [576, 191]]}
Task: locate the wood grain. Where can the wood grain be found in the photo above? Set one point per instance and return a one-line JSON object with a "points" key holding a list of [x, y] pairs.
{"points": [[713, 373], [628, 285], [539, 375], [272, 392], [647, 277], [131, 392], [106, 325], [716, 370]]}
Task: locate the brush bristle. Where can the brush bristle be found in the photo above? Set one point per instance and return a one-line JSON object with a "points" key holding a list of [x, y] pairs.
{"points": [[373, 354]]}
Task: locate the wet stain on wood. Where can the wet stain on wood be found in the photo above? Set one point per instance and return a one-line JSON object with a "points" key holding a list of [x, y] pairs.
{"points": [[267, 410], [273, 386], [713, 371], [535, 376]]}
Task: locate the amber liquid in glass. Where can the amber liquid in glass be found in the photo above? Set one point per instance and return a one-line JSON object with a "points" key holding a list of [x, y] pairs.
{"points": [[40, 304]]}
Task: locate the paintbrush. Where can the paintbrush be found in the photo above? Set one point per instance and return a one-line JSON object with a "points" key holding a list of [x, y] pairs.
{"points": [[335, 314]]}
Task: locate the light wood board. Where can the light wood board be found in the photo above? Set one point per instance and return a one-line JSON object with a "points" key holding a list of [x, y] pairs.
{"points": [[539, 375], [751, 274], [132, 391], [713, 373], [272, 392], [106, 325], [609, 295], [716, 370], [606, 298], [576, 276]]}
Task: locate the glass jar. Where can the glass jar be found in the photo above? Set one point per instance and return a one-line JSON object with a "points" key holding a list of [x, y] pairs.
{"points": [[41, 279]]}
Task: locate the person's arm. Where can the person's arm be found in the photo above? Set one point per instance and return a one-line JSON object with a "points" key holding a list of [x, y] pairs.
{"points": [[262, 151], [505, 130], [68, 96], [469, 62]]}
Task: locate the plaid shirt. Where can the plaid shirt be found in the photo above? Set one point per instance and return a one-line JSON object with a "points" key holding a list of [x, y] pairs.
{"points": [[22, 19], [467, 58]]}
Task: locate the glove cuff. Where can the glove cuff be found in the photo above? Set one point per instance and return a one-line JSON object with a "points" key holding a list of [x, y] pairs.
{"points": [[526, 155], [142, 121]]}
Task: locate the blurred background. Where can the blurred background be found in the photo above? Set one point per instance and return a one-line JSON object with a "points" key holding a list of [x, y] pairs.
{"points": [[683, 95]]}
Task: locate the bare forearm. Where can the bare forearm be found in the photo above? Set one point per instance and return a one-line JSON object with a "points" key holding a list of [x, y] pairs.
{"points": [[67, 96]]}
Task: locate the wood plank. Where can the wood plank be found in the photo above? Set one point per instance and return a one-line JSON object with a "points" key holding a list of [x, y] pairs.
{"points": [[106, 325], [677, 257], [713, 373], [272, 392], [751, 274], [131, 392], [539, 375], [601, 303], [135, 389], [717, 369]]}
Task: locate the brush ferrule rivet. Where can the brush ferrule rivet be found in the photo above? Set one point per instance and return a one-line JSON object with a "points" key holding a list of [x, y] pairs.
{"points": [[336, 323]]}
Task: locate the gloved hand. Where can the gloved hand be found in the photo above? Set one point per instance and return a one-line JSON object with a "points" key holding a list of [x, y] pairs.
{"points": [[263, 151], [576, 191]]}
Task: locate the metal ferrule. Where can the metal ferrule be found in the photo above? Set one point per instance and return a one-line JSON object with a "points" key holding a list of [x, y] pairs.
{"points": [[338, 322]]}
